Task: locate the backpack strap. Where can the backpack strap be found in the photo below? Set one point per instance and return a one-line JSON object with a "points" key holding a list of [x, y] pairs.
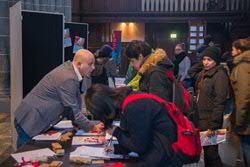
{"points": [[186, 99], [134, 97], [171, 107], [170, 75]]}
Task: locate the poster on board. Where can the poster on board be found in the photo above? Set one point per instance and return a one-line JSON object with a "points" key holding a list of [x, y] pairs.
{"points": [[67, 39], [78, 43]]}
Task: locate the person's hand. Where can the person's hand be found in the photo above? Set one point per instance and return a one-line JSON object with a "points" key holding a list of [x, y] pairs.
{"points": [[98, 128], [109, 149], [210, 133], [111, 130]]}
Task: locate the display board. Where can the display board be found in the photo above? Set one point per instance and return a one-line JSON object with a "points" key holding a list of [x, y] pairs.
{"points": [[76, 30], [42, 46]]}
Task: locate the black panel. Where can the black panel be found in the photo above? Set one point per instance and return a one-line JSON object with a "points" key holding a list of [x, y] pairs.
{"points": [[42, 44], [76, 29]]}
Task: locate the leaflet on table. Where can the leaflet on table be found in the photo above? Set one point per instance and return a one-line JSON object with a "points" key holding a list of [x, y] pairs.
{"points": [[116, 123], [81, 132], [88, 140], [108, 137], [217, 138], [64, 124], [34, 155], [94, 152], [48, 136], [119, 82]]}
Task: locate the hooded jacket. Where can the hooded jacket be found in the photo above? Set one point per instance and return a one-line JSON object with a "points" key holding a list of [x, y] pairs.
{"points": [[212, 87], [154, 79], [240, 81], [147, 64], [147, 129]]}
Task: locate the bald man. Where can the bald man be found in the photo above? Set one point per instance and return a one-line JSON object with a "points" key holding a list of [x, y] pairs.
{"points": [[55, 97]]}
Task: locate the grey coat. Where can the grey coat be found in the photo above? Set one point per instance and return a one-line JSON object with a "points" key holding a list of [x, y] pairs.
{"points": [[56, 96]]}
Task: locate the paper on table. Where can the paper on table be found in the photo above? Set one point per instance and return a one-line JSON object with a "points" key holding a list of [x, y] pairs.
{"points": [[95, 152], [55, 136], [116, 123], [81, 132], [64, 124], [108, 137], [84, 140], [119, 81], [31, 155]]}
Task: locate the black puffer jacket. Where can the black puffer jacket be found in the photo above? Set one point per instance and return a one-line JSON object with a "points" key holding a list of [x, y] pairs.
{"points": [[147, 129], [212, 89], [155, 80]]}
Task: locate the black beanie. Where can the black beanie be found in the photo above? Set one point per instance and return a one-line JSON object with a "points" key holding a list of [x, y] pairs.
{"points": [[105, 51], [212, 52]]}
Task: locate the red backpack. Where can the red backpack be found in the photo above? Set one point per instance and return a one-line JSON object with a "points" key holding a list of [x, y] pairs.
{"points": [[188, 145], [183, 99]]}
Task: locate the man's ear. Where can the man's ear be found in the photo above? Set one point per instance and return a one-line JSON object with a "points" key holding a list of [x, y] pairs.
{"points": [[239, 51], [78, 64], [141, 57]]}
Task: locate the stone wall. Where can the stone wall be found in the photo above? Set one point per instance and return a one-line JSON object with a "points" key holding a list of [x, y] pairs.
{"points": [[4, 48], [57, 6]]}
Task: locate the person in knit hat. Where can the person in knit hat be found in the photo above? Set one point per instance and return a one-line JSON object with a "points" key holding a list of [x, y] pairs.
{"points": [[104, 65], [212, 88], [212, 52], [105, 51]]}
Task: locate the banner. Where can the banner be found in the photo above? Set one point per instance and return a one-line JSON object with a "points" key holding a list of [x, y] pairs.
{"points": [[116, 45]]}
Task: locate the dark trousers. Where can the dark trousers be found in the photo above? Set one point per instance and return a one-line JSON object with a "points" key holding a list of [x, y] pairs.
{"points": [[22, 136], [212, 157], [245, 149]]}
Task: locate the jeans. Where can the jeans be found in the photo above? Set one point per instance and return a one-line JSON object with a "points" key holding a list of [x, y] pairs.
{"points": [[245, 147], [22, 136]]}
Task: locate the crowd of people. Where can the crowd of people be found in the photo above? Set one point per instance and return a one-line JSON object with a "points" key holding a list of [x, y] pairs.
{"points": [[146, 127]]}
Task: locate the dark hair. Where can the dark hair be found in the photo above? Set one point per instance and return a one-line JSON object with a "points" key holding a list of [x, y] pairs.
{"points": [[182, 45], [242, 44], [208, 38], [103, 102], [105, 51], [136, 47]]}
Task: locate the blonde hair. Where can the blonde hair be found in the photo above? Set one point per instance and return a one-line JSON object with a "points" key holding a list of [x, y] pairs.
{"points": [[153, 59]]}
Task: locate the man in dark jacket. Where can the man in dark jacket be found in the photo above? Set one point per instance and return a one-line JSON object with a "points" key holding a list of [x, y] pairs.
{"points": [[155, 80], [153, 77]]}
